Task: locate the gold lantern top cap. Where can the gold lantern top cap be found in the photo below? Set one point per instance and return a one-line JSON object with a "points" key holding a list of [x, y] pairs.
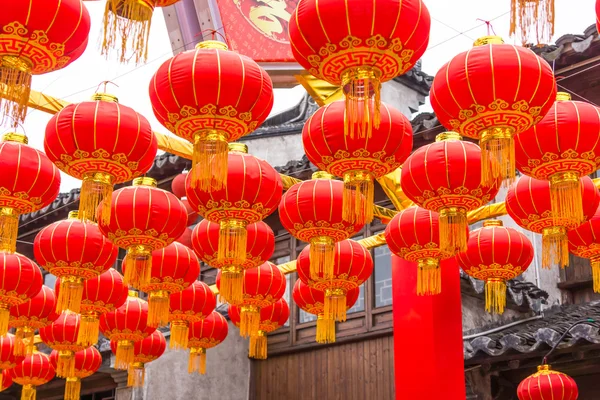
{"points": [[492, 222], [74, 214], [212, 44], [15, 137], [482, 41], [105, 97], [238, 147], [445, 136], [322, 175], [132, 293], [145, 181], [563, 96], [544, 367]]}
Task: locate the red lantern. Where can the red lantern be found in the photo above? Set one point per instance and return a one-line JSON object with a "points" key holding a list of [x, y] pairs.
{"points": [[186, 238], [61, 335], [143, 219], [6, 380], [103, 143], [211, 96], [353, 265], [413, 235], [358, 160], [174, 268], [598, 15], [34, 314], [312, 212], [21, 280], [313, 302], [8, 359], [548, 384], [584, 242], [260, 244], [536, 14], [87, 362], [125, 326], [37, 38], [204, 335], [147, 350], [359, 45], [29, 182], [178, 185], [445, 177], [35, 370], [496, 254], [491, 93], [528, 202], [187, 307], [562, 148], [192, 215]]}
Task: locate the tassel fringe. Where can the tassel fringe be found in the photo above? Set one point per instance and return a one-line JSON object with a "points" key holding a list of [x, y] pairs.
{"points": [[73, 389], [322, 258], [65, 366], [158, 308], [596, 273], [138, 267], [124, 355], [28, 392], [88, 330], [209, 162], [362, 87], [71, 292], [497, 157], [232, 241], [495, 296], [9, 227], [325, 330], [565, 196], [197, 361], [136, 374], [96, 188], [555, 247], [24, 340], [15, 77], [533, 13], [358, 197], [4, 318], [453, 230], [335, 304], [232, 282], [258, 346], [179, 335], [249, 321], [429, 277]]}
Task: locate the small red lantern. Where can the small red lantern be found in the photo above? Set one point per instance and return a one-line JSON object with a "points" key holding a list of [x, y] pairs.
{"points": [[496, 254], [584, 242], [358, 160], [145, 351], [8, 358], [186, 238], [192, 215], [35, 370], [178, 185], [61, 335], [187, 307], [204, 335], [143, 219], [6, 380], [445, 177], [87, 362], [547, 383], [260, 244]]}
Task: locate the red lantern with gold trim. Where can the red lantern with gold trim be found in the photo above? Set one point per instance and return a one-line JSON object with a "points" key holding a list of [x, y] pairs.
{"points": [[87, 362], [260, 244], [6, 380], [528, 202], [145, 351], [61, 335], [35, 370], [358, 45], [36, 38], [359, 160], [445, 177], [547, 383], [211, 96], [186, 307], [8, 359], [205, 334], [143, 219], [584, 241], [496, 254], [102, 143], [491, 93]]}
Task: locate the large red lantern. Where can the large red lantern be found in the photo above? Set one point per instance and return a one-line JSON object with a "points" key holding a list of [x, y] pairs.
{"points": [[174, 268], [445, 177], [36, 38], [35, 370], [61, 335], [8, 358], [204, 335], [145, 351], [413, 235], [211, 96], [260, 244], [125, 326], [496, 254], [528, 202], [584, 241], [491, 93], [187, 307], [143, 219], [86, 363], [358, 45], [359, 159], [103, 143], [353, 265], [312, 212], [547, 383], [29, 182], [21, 280], [562, 148]]}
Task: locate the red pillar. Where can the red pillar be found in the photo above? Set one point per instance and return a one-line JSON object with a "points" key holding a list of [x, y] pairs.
{"points": [[428, 347]]}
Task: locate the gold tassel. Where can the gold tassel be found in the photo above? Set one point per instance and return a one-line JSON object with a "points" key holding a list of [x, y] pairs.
{"points": [[595, 262], [197, 361], [127, 25], [4, 318], [138, 266], [179, 335], [258, 346], [453, 230], [429, 277], [322, 257], [28, 392], [70, 294], [96, 188], [232, 241], [65, 366], [124, 355], [335, 304], [529, 13], [362, 87], [565, 196], [24, 341], [232, 282], [497, 157], [136, 373], [73, 389], [555, 247], [249, 321], [209, 162], [9, 227], [15, 78], [325, 329], [158, 308], [495, 296], [358, 197], [88, 329]]}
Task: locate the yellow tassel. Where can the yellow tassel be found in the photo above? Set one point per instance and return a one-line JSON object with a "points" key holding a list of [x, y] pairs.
{"points": [[362, 87], [15, 78], [65, 366], [322, 257], [358, 197], [24, 341], [497, 157], [70, 294], [209, 162], [9, 227], [453, 230], [232, 281], [138, 266], [197, 360], [136, 373], [335, 304], [429, 277], [88, 329], [179, 335], [529, 13], [249, 321], [325, 329], [495, 296], [124, 355], [232, 241], [565, 196], [73, 389], [28, 392], [555, 247], [158, 308], [596, 273], [258, 346], [96, 188], [4, 318]]}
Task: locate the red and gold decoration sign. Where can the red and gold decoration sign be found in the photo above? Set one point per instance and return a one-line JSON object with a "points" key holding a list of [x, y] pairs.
{"points": [[211, 96], [445, 177], [491, 93], [87, 362], [358, 159], [204, 335], [36, 38], [584, 242], [547, 383], [532, 15], [359, 45], [61, 336], [496, 254], [187, 307], [413, 235], [8, 358], [143, 219], [528, 202], [103, 143], [145, 351], [29, 182], [35, 370]]}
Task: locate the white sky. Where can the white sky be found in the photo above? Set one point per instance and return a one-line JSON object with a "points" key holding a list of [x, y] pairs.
{"points": [[449, 17]]}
